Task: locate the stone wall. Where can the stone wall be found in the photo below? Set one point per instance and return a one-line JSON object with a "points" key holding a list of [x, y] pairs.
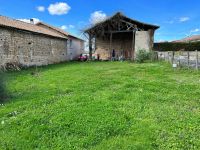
{"points": [[182, 58], [120, 46], [30, 49], [75, 46], [143, 40], [102, 48]]}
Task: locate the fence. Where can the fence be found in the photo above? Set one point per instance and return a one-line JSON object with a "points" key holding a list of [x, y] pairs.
{"points": [[188, 59]]}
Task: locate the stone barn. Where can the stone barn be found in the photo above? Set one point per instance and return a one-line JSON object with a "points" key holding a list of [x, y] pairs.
{"points": [[28, 44], [121, 34]]}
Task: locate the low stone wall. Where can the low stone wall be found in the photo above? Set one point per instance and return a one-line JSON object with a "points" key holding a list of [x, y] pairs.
{"points": [[182, 58], [30, 49]]}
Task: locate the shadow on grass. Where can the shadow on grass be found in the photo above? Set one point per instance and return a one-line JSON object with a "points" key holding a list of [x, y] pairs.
{"points": [[44, 68], [3, 93]]}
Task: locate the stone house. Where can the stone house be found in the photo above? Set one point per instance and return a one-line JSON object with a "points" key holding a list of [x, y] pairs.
{"points": [[121, 34], [33, 45], [75, 45]]}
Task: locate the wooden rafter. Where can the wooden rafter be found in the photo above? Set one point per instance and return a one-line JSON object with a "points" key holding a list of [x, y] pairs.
{"points": [[119, 22]]}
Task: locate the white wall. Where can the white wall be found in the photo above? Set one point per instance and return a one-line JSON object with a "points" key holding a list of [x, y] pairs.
{"points": [[75, 48]]}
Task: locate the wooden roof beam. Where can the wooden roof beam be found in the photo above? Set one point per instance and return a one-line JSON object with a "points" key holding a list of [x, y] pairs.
{"points": [[122, 31]]}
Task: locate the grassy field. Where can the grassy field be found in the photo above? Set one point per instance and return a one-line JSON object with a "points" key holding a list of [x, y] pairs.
{"points": [[102, 105]]}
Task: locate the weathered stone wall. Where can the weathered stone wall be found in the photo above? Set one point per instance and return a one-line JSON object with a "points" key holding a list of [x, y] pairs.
{"points": [[102, 48], [183, 58], [119, 45], [30, 49], [75, 48], [143, 40]]}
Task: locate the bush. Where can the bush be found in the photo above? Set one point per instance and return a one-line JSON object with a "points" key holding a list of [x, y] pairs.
{"points": [[2, 87], [143, 55]]}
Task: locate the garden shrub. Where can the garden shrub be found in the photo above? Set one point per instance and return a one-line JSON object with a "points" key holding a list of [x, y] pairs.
{"points": [[143, 55]]}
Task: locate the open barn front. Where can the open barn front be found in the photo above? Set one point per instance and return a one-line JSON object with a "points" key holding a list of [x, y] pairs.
{"points": [[119, 37], [117, 45]]}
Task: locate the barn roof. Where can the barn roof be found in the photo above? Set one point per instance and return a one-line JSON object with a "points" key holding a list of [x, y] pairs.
{"points": [[58, 30], [20, 25], [120, 17]]}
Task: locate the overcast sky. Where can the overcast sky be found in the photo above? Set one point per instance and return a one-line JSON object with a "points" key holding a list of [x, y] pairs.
{"points": [[176, 18]]}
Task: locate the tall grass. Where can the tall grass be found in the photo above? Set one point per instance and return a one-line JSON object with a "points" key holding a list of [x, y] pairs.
{"points": [[100, 106]]}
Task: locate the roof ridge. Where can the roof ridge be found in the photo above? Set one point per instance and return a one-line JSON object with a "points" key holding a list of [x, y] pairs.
{"points": [[55, 28], [18, 24], [59, 30], [16, 20], [122, 15]]}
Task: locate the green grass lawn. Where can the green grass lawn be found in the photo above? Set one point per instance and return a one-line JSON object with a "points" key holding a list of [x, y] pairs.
{"points": [[102, 105]]}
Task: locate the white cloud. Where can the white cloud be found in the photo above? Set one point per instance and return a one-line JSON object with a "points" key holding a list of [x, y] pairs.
{"points": [[65, 27], [59, 8], [184, 19], [41, 8], [35, 20], [97, 17], [195, 30]]}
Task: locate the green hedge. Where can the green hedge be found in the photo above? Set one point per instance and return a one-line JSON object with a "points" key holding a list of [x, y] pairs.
{"points": [[177, 46]]}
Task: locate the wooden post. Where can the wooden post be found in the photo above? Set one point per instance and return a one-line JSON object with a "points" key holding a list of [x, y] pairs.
{"points": [[188, 59], [172, 57], [197, 61], [111, 34], [164, 55], [179, 60], [168, 56], [157, 56], [90, 47], [133, 46]]}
